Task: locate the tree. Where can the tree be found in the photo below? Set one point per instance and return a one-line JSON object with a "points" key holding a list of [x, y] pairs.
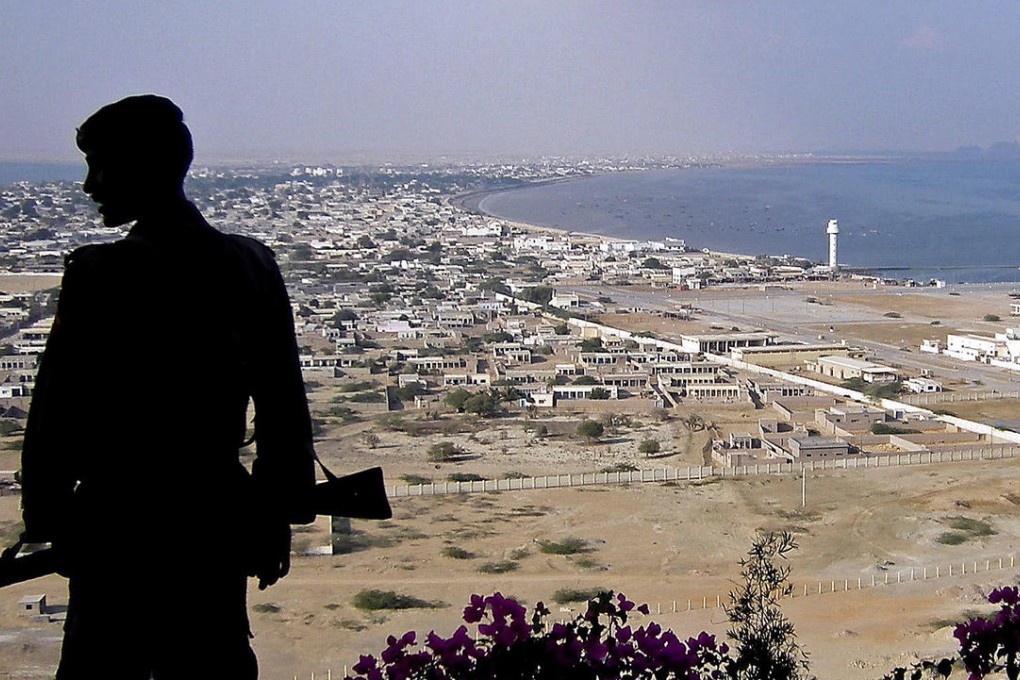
{"points": [[599, 393], [497, 336], [591, 345], [365, 242], [649, 447], [590, 430], [586, 380], [344, 315], [443, 451], [653, 263], [539, 295], [456, 399], [766, 643], [484, 404]]}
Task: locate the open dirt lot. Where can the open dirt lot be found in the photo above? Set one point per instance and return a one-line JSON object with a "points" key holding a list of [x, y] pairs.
{"points": [[656, 542], [22, 283]]}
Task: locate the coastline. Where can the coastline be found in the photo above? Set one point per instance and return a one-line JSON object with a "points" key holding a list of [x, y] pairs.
{"points": [[472, 201], [879, 240]]}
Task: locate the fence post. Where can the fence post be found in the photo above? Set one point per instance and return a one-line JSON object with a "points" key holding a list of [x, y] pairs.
{"points": [[674, 606], [872, 580], [858, 583], [805, 590]]}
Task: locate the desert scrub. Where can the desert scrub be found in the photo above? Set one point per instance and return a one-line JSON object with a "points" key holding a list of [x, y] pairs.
{"points": [[571, 545], [465, 477], [964, 529], [266, 608], [500, 567], [569, 595], [376, 600], [619, 467], [415, 480], [456, 553]]}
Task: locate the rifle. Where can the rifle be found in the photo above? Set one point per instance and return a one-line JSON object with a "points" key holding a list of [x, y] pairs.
{"points": [[361, 495]]}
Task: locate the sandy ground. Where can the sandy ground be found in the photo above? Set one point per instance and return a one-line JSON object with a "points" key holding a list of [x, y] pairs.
{"points": [[659, 543], [21, 283]]}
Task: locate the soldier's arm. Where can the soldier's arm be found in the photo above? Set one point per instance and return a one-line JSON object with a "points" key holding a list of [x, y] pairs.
{"points": [[46, 475], [284, 469]]}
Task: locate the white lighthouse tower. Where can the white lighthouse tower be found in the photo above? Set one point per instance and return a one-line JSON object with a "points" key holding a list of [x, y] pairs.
{"points": [[833, 232]]}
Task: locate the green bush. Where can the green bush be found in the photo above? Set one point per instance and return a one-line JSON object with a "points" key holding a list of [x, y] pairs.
{"points": [[569, 595], [570, 545], [591, 430], [883, 428], [359, 386], [465, 477], [443, 451], [376, 600], [974, 527], [368, 397], [455, 553], [415, 479], [649, 446], [893, 315], [9, 426], [344, 413], [951, 538], [619, 467], [500, 567], [992, 317], [266, 608]]}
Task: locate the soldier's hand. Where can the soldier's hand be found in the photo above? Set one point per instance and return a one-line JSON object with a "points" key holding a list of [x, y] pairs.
{"points": [[273, 558]]}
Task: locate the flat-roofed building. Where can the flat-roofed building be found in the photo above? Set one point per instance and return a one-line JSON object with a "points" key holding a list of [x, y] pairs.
{"points": [[787, 355], [845, 368], [971, 347], [806, 449], [723, 343]]}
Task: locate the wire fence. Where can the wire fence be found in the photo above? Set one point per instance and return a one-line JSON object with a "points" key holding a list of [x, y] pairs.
{"points": [[929, 398], [698, 473]]}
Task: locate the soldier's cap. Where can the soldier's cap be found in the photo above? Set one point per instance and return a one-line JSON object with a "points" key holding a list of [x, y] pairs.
{"points": [[142, 131]]}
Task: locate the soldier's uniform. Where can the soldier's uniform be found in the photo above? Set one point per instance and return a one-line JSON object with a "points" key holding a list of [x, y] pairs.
{"points": [[130, 461]]}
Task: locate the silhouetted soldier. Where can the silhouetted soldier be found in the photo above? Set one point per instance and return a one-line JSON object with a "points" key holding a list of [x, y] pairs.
{"points": [[130, 462]]}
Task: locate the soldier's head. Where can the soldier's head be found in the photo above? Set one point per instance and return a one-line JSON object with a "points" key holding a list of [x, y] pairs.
{"points": [[138, 152]]}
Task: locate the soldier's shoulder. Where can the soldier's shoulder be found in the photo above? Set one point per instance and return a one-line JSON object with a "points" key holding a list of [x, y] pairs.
{"points": [[97, 254], [253, 249]]}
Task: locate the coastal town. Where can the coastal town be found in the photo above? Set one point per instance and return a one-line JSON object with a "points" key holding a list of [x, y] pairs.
{"points": [[464, 352], [398, 285]]}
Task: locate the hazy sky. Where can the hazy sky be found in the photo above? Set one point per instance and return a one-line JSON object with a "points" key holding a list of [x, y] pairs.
{"points": [[316, 80]]}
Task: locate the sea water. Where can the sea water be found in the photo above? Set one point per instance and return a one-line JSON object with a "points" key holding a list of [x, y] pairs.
{"points": [[954, 220]]}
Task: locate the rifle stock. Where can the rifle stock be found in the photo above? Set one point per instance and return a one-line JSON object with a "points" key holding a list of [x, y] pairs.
{"points": [[361, 495]]}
